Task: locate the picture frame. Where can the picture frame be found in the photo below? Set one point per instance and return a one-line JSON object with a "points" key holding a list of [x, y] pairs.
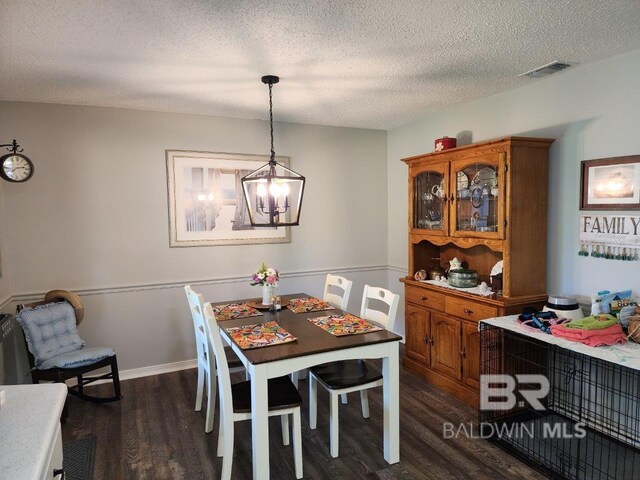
{"points": [[610, 183], [206, 202]]}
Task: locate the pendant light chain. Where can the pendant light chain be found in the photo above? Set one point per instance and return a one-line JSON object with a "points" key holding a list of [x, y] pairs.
{"points": [[273, 152], [273, 193]]}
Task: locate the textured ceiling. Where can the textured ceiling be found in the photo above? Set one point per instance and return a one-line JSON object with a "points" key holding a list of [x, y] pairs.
{"points": [[358, 63]]}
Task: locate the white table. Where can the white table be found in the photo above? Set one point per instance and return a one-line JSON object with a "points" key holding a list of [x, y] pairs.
{"points": [[313, 347], [30, 435]]}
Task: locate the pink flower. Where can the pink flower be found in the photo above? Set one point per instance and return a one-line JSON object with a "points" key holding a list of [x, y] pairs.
{"points": [[271, 279]]}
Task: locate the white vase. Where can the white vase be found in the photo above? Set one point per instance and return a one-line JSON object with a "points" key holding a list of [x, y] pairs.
{"points": [[267, 291]]}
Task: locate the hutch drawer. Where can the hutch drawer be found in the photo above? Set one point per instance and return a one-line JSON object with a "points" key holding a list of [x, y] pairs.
{"points": [[468, 309], [425, 298]]}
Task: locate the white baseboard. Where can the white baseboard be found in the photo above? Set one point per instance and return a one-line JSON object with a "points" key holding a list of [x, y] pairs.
{"points": [[157, 369], [145, 371]]}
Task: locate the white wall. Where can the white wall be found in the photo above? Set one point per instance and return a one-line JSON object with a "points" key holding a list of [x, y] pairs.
{"points": [[592, 111], [94, 218]]}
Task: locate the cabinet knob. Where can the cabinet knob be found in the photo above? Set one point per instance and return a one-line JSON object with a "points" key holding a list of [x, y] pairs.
{"points": [[452, 198], [426, 339], [463, 354], [423, 298], [468, 311], [431, 341]]}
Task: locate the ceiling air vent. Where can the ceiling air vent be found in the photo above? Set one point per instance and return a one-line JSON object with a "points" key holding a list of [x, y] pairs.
{"points": [[545, 70]]}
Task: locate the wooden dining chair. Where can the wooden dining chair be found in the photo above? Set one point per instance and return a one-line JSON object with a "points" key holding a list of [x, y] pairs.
{"points": [[235, 402], [346, 376], [338, 299], [206, 359]]}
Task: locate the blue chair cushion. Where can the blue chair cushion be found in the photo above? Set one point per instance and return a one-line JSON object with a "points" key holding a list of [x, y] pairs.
{"points": [[77, 358], [50, 330]]}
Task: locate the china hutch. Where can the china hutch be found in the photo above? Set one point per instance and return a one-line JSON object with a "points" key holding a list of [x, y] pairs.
{"points": [[482, 204]]}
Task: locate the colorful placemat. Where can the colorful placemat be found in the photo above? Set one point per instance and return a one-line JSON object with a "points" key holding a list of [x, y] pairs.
{"points": [[259, 335], [234, 310], [347, 324], [309, 304]]}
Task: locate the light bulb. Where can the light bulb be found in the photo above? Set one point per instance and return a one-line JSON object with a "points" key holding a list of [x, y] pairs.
{"points": [[262, 189], [210, 198], [274, 190], [201, 197], [285, 189]]}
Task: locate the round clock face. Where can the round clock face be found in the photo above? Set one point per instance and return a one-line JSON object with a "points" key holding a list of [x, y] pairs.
{"points": [[16, 168]]}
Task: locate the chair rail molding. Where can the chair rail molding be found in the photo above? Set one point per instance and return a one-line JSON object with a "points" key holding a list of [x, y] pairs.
{"points": [[395, 268], [107, 290]]}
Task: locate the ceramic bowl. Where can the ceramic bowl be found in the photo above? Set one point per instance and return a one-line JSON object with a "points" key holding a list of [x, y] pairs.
{"points": [[463, 278]]}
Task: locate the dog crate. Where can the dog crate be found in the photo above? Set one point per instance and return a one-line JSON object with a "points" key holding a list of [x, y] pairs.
{"points": [[589, 423]]}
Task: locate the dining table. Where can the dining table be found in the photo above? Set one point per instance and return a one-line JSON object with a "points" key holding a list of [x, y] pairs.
{"points": [[313, 346]]}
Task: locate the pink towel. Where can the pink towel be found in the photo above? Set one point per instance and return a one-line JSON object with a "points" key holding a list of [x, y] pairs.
{"points": [[594, 338]]}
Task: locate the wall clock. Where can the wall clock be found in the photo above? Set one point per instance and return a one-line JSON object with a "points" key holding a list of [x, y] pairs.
{"points": [[15, 167]]}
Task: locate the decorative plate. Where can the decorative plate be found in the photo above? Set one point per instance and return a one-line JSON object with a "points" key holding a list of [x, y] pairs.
{"points": [[462, 181], [476, 198], [486, 176]]}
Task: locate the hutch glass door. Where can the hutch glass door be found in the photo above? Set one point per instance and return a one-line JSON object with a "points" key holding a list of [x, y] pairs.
{"points": [[430, 199], [478, 197]]}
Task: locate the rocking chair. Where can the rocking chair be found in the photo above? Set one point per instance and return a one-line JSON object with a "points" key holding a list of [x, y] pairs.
{"points": [[55, 349]]}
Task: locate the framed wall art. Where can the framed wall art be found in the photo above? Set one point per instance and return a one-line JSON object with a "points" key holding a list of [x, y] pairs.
{"points": [[610, 184], [206, 203]]}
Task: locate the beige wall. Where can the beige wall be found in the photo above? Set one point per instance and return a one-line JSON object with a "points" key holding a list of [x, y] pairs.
{"points": [[94, 218]]}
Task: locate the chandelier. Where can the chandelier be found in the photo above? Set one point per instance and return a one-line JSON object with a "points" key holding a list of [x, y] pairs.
{"points": [[273, 192]]}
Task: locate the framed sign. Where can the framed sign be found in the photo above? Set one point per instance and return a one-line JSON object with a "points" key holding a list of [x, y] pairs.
{"points": [[206, 202], [615, 237], [610, 184]]}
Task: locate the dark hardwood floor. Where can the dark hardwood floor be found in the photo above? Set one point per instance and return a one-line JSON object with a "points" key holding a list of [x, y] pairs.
{"points": [[154, 433]]}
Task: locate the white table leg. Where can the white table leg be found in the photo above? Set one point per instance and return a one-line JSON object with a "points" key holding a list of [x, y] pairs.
{"points": [[260, 422], [391, 401]]}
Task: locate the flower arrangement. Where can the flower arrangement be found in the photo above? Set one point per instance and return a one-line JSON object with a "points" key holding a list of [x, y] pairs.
{"points": [[265, 276]]}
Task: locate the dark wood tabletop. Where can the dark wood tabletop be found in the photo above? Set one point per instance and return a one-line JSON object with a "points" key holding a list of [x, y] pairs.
{"points": [[310, 338]]}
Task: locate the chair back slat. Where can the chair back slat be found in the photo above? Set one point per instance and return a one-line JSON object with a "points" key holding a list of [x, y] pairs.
{"points": [[335, 282], [385, 319], [196, 302], [224, 375]]}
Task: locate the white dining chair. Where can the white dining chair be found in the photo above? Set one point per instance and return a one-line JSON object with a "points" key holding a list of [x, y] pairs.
{"points": [[235, 403], [206, 359], [336, 291], [346, 376], [336, 283]]}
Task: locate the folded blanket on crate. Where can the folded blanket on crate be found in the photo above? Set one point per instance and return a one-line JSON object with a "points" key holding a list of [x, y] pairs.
{"points": [[593, 338], [594, 322]]}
